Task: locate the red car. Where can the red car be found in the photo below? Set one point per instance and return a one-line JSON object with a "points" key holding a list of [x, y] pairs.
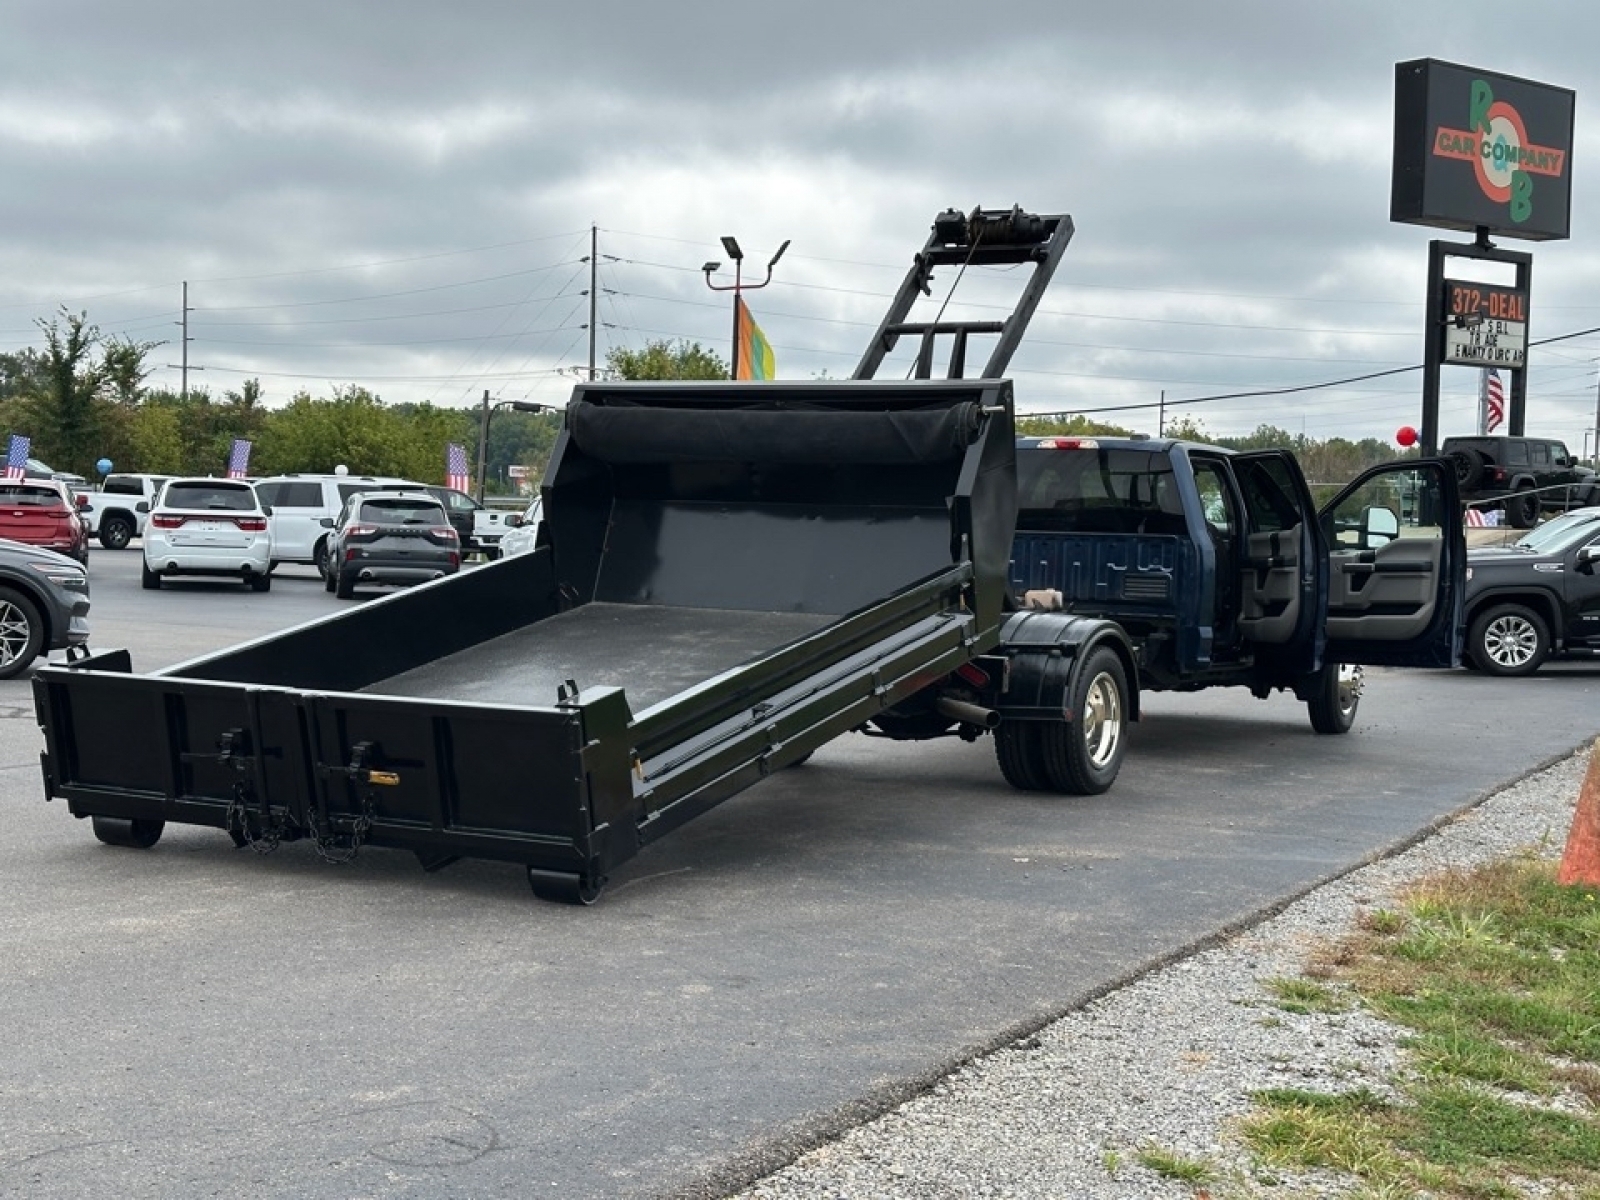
{"points": [[43, 512]]}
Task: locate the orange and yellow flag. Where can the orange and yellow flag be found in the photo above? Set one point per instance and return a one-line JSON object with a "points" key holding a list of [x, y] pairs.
{"points": [[753, 358]]}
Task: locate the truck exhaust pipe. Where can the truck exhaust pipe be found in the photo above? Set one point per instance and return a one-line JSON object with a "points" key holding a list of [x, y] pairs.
{"points": [[967, 714]]}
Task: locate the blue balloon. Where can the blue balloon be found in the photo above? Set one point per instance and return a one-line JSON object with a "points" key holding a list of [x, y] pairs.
{"points": [[103, 466]]}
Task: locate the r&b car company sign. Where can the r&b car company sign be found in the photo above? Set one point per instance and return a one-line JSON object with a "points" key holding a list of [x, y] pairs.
{"points": [[1476, 150]]}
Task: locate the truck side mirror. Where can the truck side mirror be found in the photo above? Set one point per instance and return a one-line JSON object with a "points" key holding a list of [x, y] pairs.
{"points": [[514, 521], [1587, 557], [142, 507], [1379, 526], [326, 522]]}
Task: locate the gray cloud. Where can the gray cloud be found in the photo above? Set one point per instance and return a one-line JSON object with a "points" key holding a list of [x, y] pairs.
{"points": [[397, 194]]}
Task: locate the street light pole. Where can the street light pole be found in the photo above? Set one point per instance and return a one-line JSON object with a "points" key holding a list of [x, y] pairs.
{"points": [[527, 406], [730, 246]]}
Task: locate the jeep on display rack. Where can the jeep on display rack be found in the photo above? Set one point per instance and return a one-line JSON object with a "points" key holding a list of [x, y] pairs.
{"points": [[1526, 475]]}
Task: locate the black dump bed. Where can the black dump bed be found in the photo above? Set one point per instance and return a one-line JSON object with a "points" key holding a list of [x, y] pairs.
{"points": [[728, 576]]}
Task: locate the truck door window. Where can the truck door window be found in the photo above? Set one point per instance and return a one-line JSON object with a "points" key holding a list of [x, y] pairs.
{"points": [[1269, 504], [1396, 505], [1216, 501]]}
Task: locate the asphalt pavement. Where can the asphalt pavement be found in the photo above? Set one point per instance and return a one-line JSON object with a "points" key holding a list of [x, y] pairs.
{"points": [[196, 1020]]}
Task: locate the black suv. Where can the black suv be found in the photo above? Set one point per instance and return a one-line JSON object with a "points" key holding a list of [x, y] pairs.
{"points": [[1528, 474], [1535, 598]]}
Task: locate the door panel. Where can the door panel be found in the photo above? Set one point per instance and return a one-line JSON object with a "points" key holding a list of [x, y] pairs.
{"points": [[1279, 584], [1397, 567]]}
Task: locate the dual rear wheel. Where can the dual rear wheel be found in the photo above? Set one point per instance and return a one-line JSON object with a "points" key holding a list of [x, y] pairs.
{"points": [[1081, 754]]}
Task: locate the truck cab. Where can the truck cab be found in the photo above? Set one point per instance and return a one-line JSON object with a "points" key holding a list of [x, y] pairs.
{"points": [[1224, 573]]}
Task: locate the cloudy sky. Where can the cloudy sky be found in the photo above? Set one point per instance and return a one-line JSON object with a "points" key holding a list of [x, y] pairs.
{"points": [[401, 195]]}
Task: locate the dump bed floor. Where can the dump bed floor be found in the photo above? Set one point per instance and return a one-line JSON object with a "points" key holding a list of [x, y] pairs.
{"points": [[650, 651]]}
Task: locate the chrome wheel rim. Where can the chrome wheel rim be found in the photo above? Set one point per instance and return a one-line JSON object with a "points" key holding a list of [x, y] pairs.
{"points": [[1102, 720], [14, 633], [1510, 641], [1347, 691]]}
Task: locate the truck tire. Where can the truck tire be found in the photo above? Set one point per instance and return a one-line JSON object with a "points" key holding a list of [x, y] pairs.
{"points": [[1333, 708], [1522, 509], [344, 586], [1082, 757], [561, 887], [1469, 467], [140, 834], [116, 531], [319, 557], [1017, 749], [1508, 640], [21, 633]]}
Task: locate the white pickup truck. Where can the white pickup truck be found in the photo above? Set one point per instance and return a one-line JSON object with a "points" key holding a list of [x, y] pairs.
{"points": [[117, 512]]}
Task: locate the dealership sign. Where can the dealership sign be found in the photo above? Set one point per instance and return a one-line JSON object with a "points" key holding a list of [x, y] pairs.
{"points": [[1475, 150], [1485, 326]]}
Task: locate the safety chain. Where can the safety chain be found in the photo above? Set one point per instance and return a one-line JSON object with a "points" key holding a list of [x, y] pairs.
{"points": [[238, 823], [327, 846]]}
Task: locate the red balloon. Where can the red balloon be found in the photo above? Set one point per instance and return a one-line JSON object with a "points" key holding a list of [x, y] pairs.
{"points": [[1406, 436]]}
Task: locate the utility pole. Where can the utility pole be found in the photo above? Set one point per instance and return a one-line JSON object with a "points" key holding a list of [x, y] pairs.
{"points": [[594, 293], [183, 359], [483, 443], [1161, 415]]}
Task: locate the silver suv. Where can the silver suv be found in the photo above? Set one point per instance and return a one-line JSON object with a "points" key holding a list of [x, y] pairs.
{"points": [[303, 507]]}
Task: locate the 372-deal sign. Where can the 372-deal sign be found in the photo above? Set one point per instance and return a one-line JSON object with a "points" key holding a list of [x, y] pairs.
{"points": [[1485, 325]]}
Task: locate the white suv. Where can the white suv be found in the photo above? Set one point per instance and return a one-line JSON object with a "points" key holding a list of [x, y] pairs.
{"points": [[303, 507], [208, 527]]}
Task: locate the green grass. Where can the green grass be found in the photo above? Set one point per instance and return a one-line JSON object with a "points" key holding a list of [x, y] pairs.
{"points": [[1495, 974], [1171, 1165]]}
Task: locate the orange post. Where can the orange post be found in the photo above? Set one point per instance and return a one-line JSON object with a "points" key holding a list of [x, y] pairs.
{"points": [[1580, 861]]}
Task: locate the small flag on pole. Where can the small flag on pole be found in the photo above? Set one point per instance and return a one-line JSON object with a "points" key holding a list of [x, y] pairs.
{"points": [[239, 459], [455, 466], [1492, 402], [753, 357], [17, 456]]}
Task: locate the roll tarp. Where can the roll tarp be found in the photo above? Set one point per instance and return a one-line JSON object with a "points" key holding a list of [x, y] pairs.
{"points": [[638, 434]]}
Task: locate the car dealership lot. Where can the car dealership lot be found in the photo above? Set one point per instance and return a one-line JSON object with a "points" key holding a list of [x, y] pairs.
{"points": [[197, 1019]]}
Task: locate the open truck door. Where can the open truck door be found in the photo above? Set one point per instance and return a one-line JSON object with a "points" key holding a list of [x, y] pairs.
{"points": [[1397, 557]]}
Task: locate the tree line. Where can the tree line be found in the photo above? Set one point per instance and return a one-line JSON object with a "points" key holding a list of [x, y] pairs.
{"points": [[82, 397]]}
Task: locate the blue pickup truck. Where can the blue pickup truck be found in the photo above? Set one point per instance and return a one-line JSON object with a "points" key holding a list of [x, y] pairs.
{"points": [[1204, 567]]}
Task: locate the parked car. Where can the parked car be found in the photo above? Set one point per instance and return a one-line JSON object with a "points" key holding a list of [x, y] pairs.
{"points": [[390, 537], [206, 526], [1536, 599], [118, 511], [304, 506], [44, 605], [42, 512], [37, 469], [478, 526], [1529, 475], [521, 539]]}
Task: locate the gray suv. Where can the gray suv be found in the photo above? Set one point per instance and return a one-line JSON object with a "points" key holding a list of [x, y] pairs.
{"points": [[1526, 475]]}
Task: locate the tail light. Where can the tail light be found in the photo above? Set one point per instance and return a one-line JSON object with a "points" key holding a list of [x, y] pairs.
{"points": [[1068, 443], [251, 524], [1498, 475], [167, 520], [357, 532], [444, 533]]}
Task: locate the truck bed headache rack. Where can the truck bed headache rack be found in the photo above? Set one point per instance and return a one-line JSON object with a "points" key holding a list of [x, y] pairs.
{"points": [[983, 238]]}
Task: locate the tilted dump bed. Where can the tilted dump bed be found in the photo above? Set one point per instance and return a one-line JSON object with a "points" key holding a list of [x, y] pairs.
{"points": [[728, 575]]}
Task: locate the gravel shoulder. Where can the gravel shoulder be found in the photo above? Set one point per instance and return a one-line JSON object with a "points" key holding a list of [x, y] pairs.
{"points": [[1170, 1060]]}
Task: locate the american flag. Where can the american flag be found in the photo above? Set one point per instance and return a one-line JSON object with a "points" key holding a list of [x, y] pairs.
{"points": [[1494, 402], [239, 459], [17, 456], [455, 466]]}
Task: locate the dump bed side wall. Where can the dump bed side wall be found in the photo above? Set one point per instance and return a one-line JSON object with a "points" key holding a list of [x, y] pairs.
{"points": [[383, 637]]}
